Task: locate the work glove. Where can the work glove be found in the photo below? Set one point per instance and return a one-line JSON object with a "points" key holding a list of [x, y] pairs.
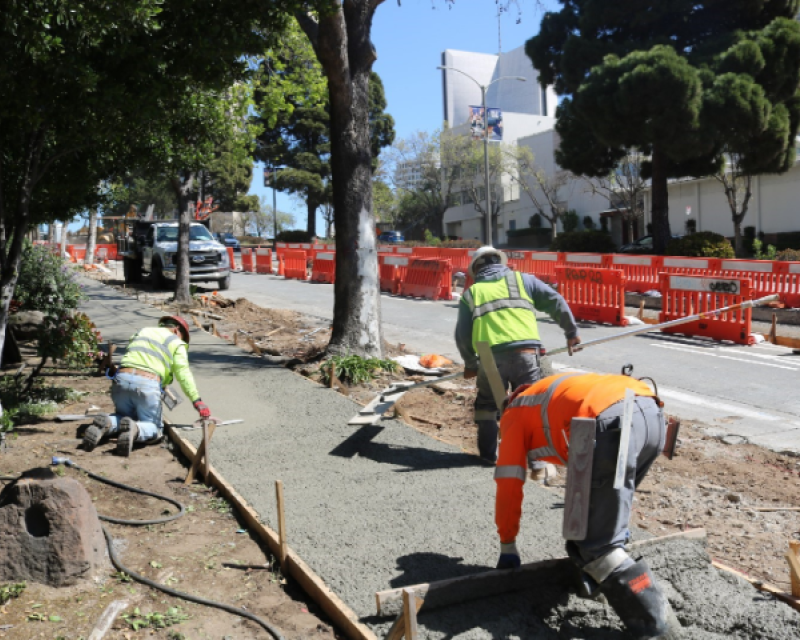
{"points": [[509, 556], [470, 373], [202, 409], [572, 345]]}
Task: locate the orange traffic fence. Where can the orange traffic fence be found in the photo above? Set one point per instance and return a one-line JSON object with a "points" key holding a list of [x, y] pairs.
{"points": [[705, 267], [683, 296], [248, 261], [642, 273], [295, 264], [263, 260], [427, 278], [392, 272], [596, 295], [324, 267]]}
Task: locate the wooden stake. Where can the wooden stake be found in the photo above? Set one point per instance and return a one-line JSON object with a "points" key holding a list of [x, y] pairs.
{"points": [[331, 375], [107, 619], [196, 322], [641, 309], [284, 546], [254, 346], [398, 629], [410, 614], [236, 337], [793, 558], [773, 332], [201, 453]]}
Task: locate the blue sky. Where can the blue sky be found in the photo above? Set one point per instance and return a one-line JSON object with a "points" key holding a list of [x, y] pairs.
{"points": [[409, 40]]}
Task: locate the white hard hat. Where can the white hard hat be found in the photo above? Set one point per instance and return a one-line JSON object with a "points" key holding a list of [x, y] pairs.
{"points": [[482, 253]]}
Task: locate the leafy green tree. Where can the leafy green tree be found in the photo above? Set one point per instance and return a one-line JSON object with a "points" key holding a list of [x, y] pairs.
{"points": [[681, 81]]}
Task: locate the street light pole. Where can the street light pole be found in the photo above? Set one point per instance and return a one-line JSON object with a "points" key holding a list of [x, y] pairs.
{"points": [[488, 215]]}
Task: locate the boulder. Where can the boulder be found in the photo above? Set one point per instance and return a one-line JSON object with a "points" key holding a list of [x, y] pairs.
{"points": [[26, 324], [49, 531]]}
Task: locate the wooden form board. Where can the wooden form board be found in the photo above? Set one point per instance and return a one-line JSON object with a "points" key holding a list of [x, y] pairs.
{"points": [[494, 582], [579, 478], [374, 411], [793, 602], [341, 615]]}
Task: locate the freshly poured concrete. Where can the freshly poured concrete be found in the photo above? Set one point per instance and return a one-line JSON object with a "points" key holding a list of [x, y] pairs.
{"points": [[377, 507]]}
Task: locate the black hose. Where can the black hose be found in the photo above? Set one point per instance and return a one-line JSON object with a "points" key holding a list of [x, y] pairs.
{"points": [[150, 583]]}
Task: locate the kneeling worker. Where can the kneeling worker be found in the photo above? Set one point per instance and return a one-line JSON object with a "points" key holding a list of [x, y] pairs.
{"points": [[500, 308], [154, 355], [537, 422]]}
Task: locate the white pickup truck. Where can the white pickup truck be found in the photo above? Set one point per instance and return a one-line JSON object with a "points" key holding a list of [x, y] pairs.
{"points": [[152, 247]]}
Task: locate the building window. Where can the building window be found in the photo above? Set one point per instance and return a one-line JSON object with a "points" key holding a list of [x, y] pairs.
{"points": [[512, 225]]}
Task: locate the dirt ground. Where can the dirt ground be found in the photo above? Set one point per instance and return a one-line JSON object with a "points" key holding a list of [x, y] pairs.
{"points": [[745, 497], [207, 552]]}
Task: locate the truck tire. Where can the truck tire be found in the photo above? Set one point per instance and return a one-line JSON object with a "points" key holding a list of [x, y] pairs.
{"points": [[157, 275], [224, 283], [132, 269]]}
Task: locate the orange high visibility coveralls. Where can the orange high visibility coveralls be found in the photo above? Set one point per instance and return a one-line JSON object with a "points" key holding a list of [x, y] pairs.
{"points": [[537, 421]]}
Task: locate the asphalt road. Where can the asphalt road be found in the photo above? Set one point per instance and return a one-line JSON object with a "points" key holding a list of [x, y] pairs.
{"points": [[750, 392]]}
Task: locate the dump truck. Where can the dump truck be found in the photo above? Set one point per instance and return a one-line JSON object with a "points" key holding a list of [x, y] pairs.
{"points": [[149, 248]]}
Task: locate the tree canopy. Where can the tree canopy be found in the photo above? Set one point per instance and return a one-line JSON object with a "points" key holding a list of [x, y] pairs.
{"points": [[681, 81]]}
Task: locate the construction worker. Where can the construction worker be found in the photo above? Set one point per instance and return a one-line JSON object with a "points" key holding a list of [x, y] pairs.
{"points": [[499, 308], [536, 423], [154, 355]]}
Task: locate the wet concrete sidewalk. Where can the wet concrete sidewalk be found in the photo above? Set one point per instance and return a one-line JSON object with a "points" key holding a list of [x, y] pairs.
{"points": [[378, 507]]}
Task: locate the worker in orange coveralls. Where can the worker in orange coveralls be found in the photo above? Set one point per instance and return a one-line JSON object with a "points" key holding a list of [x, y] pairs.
{"points": [[537, 423]]}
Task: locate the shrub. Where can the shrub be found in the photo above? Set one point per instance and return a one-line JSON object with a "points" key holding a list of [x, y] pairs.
{"points": [[759, 254], [71, 339], [691, 226], [703, 244], [46, 283], [788, 255], [520, 233], [604, 224], [431, 240], [294, 235], [787, 240], [355, 369], [535, 221], [588, 223], [570, 221], [584, 241]]}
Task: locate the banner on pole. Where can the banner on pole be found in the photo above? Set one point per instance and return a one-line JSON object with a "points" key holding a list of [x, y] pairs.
{"points": [[494, 121]]}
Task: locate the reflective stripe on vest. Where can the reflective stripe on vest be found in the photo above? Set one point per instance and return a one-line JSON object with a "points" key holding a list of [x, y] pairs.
{"points": [[154, 351], [498, 316], [543, 399], [509, 471]]}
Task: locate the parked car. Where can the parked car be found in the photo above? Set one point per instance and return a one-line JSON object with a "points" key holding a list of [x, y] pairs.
{"points": [[642, 245], [391, 237], [229, 240]]}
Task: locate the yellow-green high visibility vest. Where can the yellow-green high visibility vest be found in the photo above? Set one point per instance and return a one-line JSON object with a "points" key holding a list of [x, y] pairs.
{"points": [[159, 351], [502, 311]]}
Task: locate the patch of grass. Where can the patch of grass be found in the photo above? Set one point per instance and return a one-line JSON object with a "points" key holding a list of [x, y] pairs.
{"points": [[155, 620], [355, 369], [21, 407], [220, 505], [11, 591]]}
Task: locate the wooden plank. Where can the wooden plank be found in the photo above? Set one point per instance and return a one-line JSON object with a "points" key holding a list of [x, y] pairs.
{"points": [[579, 478], [340, 614], [107, 619], [789, 599], [410, 614], [281, 523], [624, 439], [398, 629], [208, 431], [493, 375], [496, 581], [201, 454], [793, 557]]}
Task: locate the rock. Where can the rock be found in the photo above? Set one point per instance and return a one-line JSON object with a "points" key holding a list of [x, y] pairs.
{"points": [[734, 497], [26, 324], [49, 531], [445, 386], [733, 439]]}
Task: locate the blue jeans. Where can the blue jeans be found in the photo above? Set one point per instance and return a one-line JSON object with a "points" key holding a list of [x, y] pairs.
{"points": [[516, 368], [138, 398]]}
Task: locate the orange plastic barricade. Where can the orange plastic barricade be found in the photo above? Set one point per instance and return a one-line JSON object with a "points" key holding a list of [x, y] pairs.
{"points": [[459, 258], [764, 278], [248, 261], [542, 264], [392, 272], [232, 260], [597, 295], [324, 269], [428, 278], [641, 272], [404, 251], [101, 255], [688, 295], [385, 248], [263, 258], [789, 283], [588, 260], [517, 260], [426, 252], [295, 266], [705, 267]]}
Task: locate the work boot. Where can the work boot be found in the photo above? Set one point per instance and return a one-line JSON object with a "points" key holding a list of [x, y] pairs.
{"points": [[96, 432], [640, 603], [128, 432]]}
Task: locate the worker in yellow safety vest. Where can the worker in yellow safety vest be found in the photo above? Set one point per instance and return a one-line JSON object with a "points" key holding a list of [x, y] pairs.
{"points": [[536, 423], [154, 356], [500, 308]]}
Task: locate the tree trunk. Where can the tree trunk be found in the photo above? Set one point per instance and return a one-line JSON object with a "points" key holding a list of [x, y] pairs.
{"points": [[342, 44], [660, 205], [91, 243], [183, 294], [63, 240], [311, 224]]}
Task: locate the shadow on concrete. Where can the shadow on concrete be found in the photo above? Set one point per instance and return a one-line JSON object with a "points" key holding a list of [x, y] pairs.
{"points": [[410, 458]]}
